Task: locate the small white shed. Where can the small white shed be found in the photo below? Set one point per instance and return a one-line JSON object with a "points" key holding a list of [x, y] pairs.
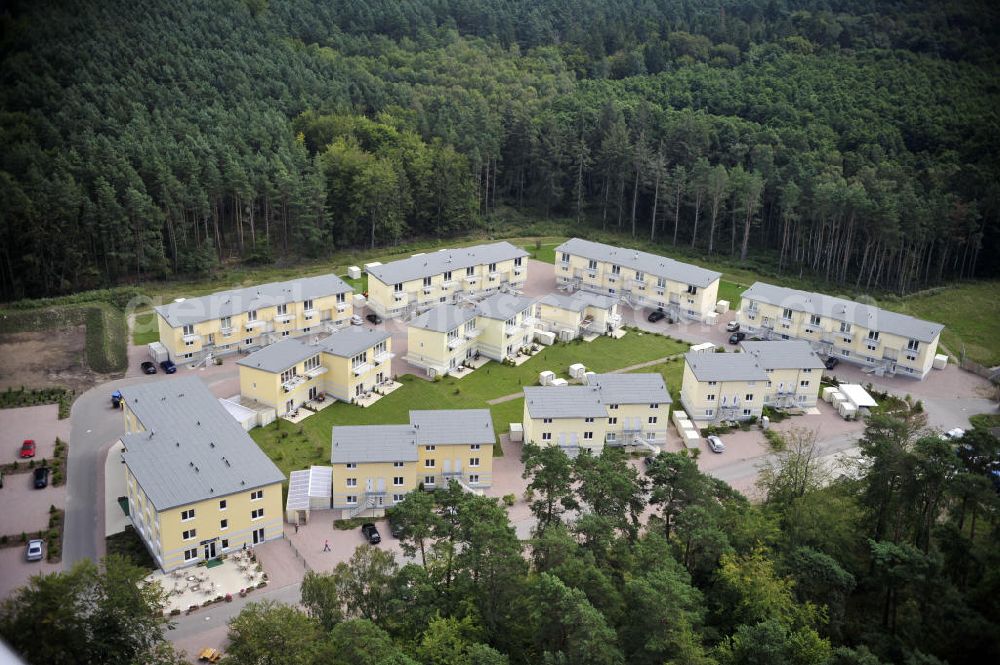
{"points": [[711, 318], [858, 396], [546, 378], [940, 361], [516, 432], [705, 347], [545, 338], [157, 352], [577, 370], [373, 264], [354, 272], [722, 306], [559, 382]]}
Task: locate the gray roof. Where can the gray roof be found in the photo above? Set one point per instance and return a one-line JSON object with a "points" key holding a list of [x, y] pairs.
{"points": [[237, 301], [457, 426], [352, 341], [564, 402], [725, 366], [373, 443], [841, 309], [192, 448], [578, 301], [435, 263], [651, 264], [443, 318], [784, 354], [280, 356], [503, 306], [645, 388]]}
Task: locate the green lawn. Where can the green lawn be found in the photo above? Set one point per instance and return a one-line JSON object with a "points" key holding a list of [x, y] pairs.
{"points": [[546, 252], [985, 420], [673, 373], [298, 446], [359, 285], [145, 330], [969, 313], [731, 291]]}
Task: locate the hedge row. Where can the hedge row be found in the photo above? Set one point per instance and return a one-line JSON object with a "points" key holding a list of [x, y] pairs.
{"points": [[119, 297], [13, 399]]}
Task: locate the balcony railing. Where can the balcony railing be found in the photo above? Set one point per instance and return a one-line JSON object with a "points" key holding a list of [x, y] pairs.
{"points": [[455, 342], [472, 333], [381, 357], [284, 318], [316, 371], [361, 369], [293, 383], [309, 313], [226, 332], [341, 306], [447, 284], [191, 338], [256, 323]]}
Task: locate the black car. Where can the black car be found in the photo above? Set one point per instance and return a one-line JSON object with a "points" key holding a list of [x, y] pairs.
{"points": [[148, 367], [737, 337], [395, 528], [41, 477], [168, 366], [831, 362], [658, 315], [374, 319], [369, 531]]}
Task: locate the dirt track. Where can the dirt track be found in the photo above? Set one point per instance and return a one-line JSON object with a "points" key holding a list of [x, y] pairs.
{"points": [[46, 358]]}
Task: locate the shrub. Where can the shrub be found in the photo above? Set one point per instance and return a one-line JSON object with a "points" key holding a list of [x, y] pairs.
{"points": [[509, 499], [4, 539], [174, 612]]}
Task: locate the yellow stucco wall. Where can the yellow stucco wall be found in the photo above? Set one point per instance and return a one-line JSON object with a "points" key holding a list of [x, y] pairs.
{"points": [[700, 396]]}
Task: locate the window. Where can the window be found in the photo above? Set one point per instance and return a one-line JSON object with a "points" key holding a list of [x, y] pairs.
{"points": [[427, 281], [431, 448], [912, 345], [351, 465], [616, 270], [807, 370], [256, 495], [223, 524], [429, 463], [474, 478], [428, 480], [652, 420], [613, 407], [748, 397], [352, 482], [493, 267], [307, 304], [786, 313], [591, 264], [517, 261], [189, 534], [873, 335], [565, 258], [692, 289], [225, 543], [709, 412], [845, 327], [814, 320], [803, 384], [710, 398], [588, 436], [341, 298], [546, 420], [613, 420], [282, 310], [611, 436], [639, 277], [654, 405], [397, 465], [351, 499], [470, 271], [187, 515], [287, 375], [222, 505], [226, 322], [588, 420], [474, 446], [746, 412], [546, 436], [252, 315], [191, 554], [712, 383], [359, 360], [396, 498], [397, 481], [473, 461], [256, 513], [311, 363], [189, 329]]}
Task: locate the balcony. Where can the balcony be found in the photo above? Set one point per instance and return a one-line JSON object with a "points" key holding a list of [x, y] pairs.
{"points": [[893, 354], [226, 332], [529, 321], [471, 279], [284, 318], [316, 371], [309, 313], [381, 357], [361, 369], [341, 306], [472, 333], [447, 284], [510, 330], [518, 270], [400, 297], [293, 383], [494, 275], [455, 342], [256, 323], [191, 338], [428, 289]]}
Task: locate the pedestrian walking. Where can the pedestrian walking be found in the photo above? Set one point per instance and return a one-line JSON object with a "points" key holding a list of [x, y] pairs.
{"points": [[326, 545], [296, 527]]}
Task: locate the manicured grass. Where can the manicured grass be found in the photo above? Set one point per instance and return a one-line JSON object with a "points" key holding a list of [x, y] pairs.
{"points": [[673, 374], [145, 330], [546, 252], [299, 446], [359, 285], [731, 291], [985, 420], [127, 544], [969, 313]]}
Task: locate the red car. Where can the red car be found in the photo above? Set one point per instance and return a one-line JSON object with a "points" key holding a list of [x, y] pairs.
{"points": [[28, 448]]}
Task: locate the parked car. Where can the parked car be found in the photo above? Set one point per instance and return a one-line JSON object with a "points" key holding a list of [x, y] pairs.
{"points": [[732, 326], [33, 552], [27, 448], [148, 367], [116, 399], [715, 443], [41, 477], [356, 320], [395, 528], [374, 319], [954, 434], [370, 533], [737, 337], [655, 316], [168, 366], [831, 362]]}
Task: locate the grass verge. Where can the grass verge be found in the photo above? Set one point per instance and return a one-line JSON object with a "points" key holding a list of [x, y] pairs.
{"points": [[144, 328], [128, 545]]}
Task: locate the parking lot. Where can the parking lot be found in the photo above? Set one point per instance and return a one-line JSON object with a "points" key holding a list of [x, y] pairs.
{"points": [[40, 423]]}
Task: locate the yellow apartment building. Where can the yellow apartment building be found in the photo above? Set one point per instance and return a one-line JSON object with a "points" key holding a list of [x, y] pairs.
{"points": [[884, 342], [346, 365], [444, 337], [197, 485], [630, 410], [639, 279], [375, 466], [577, 315], [723, 386], [400, 288], [793, 372], [246, 319]]}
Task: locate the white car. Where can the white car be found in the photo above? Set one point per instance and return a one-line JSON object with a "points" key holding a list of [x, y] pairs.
{"points": [[34, 550], [954, 434], [733, 326], [356, 320], [715, 443]]}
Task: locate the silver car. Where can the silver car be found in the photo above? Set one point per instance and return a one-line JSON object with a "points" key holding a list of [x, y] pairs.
{"points": [[715, 443], [34, 550]]}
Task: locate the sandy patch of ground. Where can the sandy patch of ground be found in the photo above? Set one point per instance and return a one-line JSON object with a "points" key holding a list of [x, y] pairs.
{"points": [[46, 358]]}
